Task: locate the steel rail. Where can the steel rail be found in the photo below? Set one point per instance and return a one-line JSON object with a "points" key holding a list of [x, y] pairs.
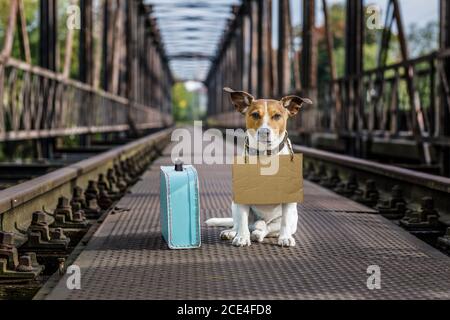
{"points": [[415, 185], [19, 202], [423, 179]]}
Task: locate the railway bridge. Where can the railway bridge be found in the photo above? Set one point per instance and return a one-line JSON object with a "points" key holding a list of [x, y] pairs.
{"points": [[90, 97]]}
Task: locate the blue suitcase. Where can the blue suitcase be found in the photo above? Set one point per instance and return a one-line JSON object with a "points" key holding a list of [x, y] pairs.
{"points": [[180, 209]]}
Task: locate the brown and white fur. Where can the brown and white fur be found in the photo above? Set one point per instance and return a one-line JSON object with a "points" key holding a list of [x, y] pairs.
{"points": [[266, 123]]}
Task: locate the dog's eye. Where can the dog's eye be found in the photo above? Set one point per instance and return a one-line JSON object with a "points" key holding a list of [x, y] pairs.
{"points": [[276, 117], [256, 116]]}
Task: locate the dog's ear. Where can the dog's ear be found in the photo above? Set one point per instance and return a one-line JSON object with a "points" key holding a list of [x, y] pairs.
{"points": [[240, 99], [293, 104]]}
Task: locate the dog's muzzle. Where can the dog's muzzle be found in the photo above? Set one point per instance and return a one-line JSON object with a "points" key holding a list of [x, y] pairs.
{"points": [[264, 135]]}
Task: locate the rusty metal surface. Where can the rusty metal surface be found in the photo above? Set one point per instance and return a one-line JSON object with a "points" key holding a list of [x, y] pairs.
{"points": [[19, 202], [415, 185], [434, 182], [127, 258]]}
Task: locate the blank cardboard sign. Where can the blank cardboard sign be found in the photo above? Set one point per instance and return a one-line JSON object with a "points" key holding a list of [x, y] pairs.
{"points": [[252, 187]]}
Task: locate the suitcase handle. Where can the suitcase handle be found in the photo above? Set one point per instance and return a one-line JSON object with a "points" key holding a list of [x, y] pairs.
{"points": [[178, 165]]}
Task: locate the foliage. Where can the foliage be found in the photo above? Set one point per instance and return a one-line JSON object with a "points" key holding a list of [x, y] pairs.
{"points": [[31, 8], [182, 102], [422, 40], [186, 104]]}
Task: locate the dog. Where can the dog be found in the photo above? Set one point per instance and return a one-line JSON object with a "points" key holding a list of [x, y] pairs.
{"points": [[266, 123]]}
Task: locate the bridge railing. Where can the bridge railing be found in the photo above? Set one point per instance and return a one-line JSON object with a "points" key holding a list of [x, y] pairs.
{"points": [[38, 103], [379, 101], [43, 101]]}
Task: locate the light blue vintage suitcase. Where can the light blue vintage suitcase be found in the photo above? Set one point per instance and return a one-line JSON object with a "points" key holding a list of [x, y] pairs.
{"points": [[180, 207]]}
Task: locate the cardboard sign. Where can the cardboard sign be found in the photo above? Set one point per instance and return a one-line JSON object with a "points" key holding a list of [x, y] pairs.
{"points": [[250, 186]]}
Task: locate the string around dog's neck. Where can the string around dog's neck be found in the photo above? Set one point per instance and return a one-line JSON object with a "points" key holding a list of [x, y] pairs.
{"points": [[256, 152]]}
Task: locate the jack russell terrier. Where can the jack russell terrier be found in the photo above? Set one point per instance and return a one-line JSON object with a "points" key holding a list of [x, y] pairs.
{"points": [[266, 123]]}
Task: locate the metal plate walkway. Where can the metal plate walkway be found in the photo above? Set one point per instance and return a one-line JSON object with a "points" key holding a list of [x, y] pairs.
{"points": [[337, 241]]}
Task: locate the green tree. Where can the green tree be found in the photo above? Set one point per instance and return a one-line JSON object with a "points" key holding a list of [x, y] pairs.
{"points": [[31, 8], [182, 102], [423, 40]]}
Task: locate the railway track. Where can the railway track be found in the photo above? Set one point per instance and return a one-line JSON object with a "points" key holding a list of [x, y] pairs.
{"points": [[42, 220], [418, 202]]}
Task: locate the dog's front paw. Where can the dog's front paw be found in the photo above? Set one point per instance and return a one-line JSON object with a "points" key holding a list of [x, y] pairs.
{"points": [[286, 242], [242, 241], [258, 236], [228, 235]]}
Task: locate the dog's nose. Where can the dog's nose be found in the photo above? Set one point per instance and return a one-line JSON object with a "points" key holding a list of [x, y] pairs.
{"points": [[264, 134]]}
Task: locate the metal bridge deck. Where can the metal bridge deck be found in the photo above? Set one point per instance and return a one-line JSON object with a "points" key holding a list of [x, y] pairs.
{"points": [[337, 241]]}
